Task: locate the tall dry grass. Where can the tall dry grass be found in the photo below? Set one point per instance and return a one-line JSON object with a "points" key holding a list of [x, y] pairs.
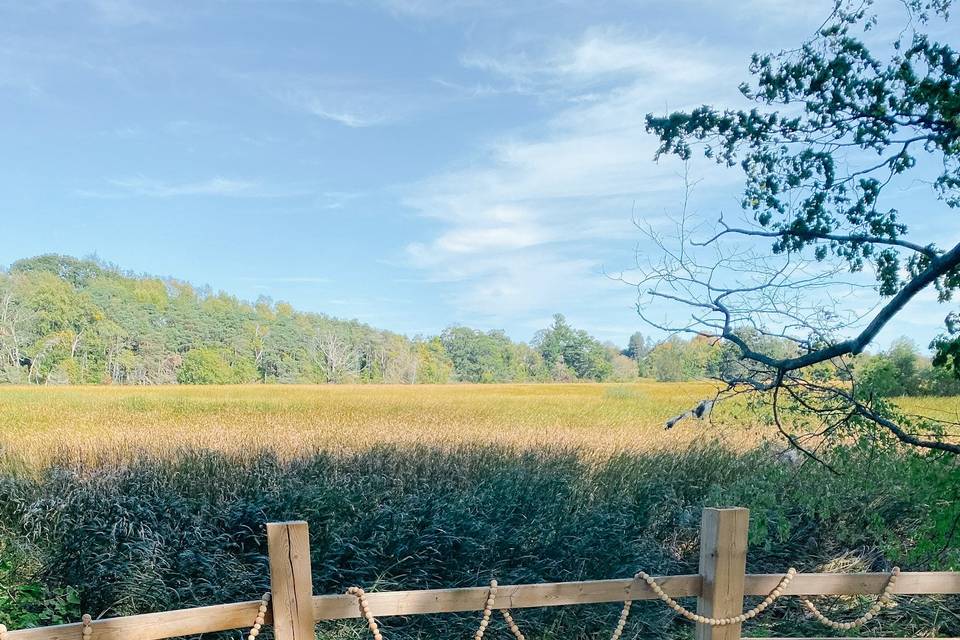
{"points": [[37, 422]]}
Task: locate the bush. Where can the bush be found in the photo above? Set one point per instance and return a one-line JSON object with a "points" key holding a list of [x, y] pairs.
{"points": [[25, 600]]}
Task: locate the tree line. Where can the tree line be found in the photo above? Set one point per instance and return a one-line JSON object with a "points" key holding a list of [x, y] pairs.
{"points": [[899, 370], [65, 320]]}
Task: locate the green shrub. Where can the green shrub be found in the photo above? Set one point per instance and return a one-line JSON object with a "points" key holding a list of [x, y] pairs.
{"points": [[26, 601]]}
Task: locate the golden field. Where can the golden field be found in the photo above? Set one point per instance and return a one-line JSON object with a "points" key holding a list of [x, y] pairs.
{"points": [[38, 423]]}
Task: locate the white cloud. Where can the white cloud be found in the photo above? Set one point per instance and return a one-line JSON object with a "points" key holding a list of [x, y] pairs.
{"points": [[213, 187], [603, 56], [287, 279], [519, 227], [441, 8], [501, 228], [350, 102], [345, 118], [146, 187]]}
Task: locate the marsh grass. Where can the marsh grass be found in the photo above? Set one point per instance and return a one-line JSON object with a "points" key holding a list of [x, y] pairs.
{"points": [[38, 423], [150, 499]]}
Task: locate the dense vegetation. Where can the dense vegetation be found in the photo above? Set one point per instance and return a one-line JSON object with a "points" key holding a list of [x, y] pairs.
{"points": [[160, 533], [899, 370], [64, 320], [127, 499]]}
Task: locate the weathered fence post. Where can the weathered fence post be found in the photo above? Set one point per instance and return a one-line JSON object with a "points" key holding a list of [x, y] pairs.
{"points": [[291, 581], [723, 565]]}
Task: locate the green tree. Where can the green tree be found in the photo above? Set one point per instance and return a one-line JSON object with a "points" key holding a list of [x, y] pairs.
{"points": [[433, 363], [637, 347], [479, 356], [893, 372], [569, 349], [205, 365], [676, 359]]}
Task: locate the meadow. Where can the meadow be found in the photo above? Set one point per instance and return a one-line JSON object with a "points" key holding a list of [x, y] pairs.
{"points": [[118, 500], [292, 420]]}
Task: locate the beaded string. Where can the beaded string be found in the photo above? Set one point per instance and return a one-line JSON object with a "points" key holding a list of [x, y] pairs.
{"points": [[514, 629], [487, 611], [718, 622], [361, 597], [884, 598], [261, 615], [622, 622]]}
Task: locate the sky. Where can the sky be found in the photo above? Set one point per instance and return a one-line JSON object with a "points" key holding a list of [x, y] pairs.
{"points": [[409, 163]]}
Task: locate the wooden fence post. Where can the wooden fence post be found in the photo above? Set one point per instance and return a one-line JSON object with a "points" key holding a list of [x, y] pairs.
{"points": [[723, 565], [291, 581]]}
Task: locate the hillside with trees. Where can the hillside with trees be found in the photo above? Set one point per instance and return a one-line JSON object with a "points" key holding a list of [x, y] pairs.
{"points": [[65, 320]]}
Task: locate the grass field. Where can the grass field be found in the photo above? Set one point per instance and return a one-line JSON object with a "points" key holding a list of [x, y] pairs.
{"points": [[293, 420], [140, 499], [39, 422]]}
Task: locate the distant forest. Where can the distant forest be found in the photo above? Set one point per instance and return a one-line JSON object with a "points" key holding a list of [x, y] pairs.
{"points": [[65, 320]]}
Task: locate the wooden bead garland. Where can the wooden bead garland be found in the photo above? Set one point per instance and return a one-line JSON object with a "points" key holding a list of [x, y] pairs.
{"points": [[361, 597], [87, 629], [718, 622], [487, 611], [884, 598], [514, 629], [622, 622], [261, 616]]}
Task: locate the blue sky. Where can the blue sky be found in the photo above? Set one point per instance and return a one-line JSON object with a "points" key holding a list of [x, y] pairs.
{"points": [[410, 163]]}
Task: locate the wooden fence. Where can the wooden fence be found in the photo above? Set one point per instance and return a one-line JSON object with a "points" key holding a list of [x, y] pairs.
{"points": [[720, 587]]}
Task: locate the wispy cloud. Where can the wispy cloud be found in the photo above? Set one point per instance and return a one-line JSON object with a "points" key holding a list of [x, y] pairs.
{"points": [[603, 57], [286, 279], [347, 101], [527, 225], [441, 8], [149, 188], [337, 199], [345, 118], [498, 229]]}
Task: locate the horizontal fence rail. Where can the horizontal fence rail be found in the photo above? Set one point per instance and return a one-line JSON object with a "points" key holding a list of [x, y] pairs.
{"points": [[186, 622]]}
